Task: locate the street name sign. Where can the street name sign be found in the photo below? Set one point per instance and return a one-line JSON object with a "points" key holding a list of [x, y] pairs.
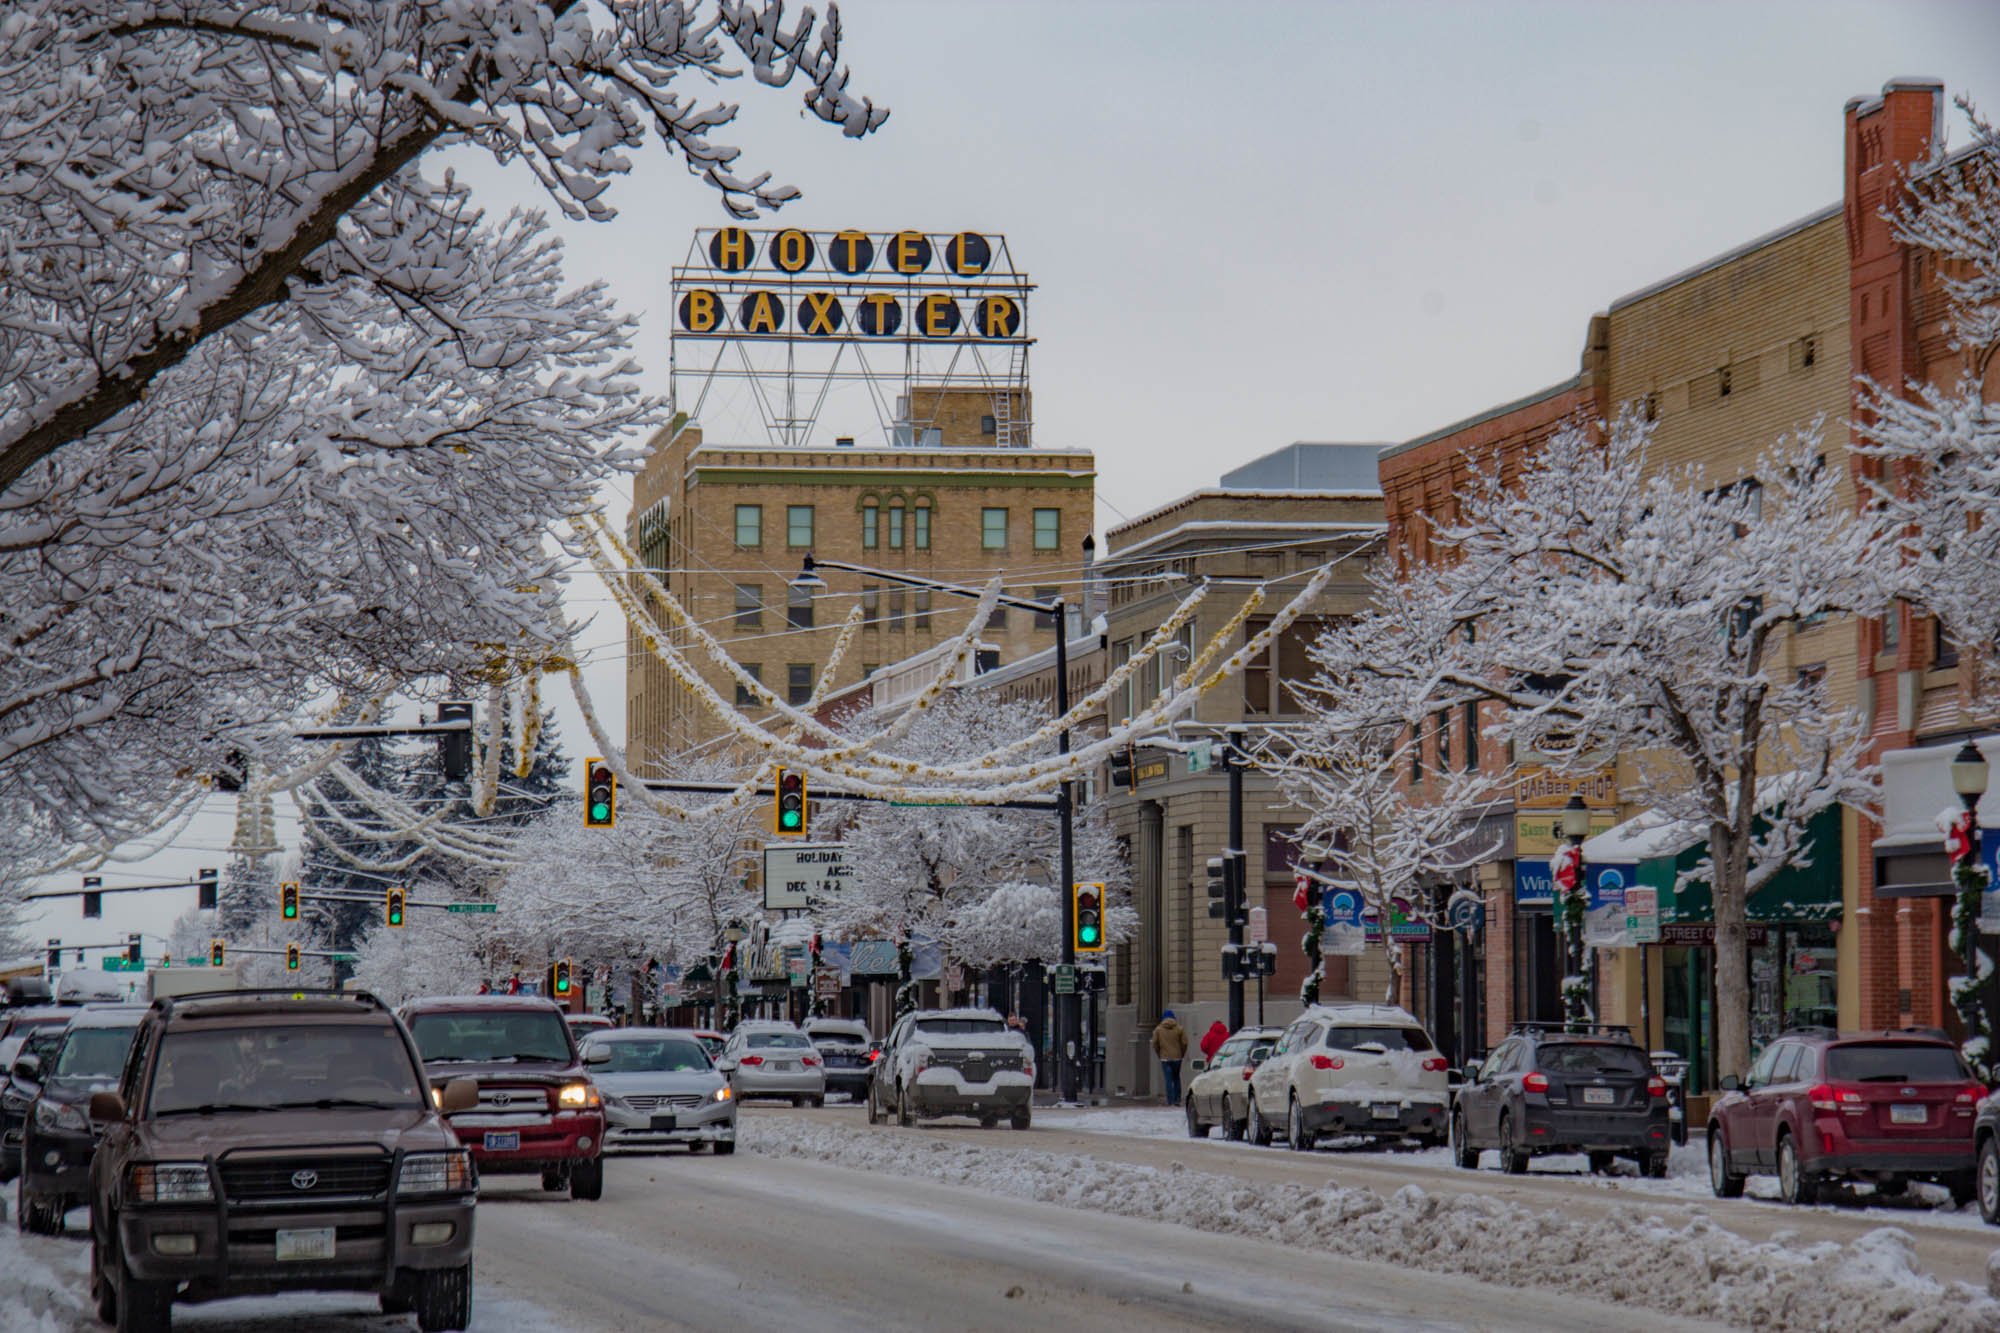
{"points": [[1065, 979], [472, 907], [798, 873]]}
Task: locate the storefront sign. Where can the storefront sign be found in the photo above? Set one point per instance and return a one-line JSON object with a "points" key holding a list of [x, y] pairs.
{"points": [[1642, 914], [1539, 797], [1702, 933], [1402, 930], [1532, 885], [1343, 936], [1604, 905], [801, 874]]}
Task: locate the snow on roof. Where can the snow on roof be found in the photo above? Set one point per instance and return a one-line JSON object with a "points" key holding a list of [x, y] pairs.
{"points": [[1643, 837], [1354, 1013]]}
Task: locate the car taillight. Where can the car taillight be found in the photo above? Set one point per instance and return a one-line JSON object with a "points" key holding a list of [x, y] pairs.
{"points": [[1826, 1097], [1972, 1096], [1656, 1086], [1328, 1062], [751, 1060], [1536, 1083], [874, 1054], [1435, 1064], [809, 1061]]}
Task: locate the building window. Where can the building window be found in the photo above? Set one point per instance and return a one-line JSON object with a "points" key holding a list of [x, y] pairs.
{"points": [[1892, 628], [1048, 529], [749, 606], [921, 520], [754, 670], [1443, 740], [871, 527], [923, 601], [869, 668], [1944, 653], [1416, 755], [1805, 352], [749, 525], [799, 525], [799, 608], [1725, 380], [896, 527], [1649, 407], [1046, 619], [1121, 700], [998, 620], [1812, 677], [988, 426], [799, 683], [1471, 708], [871, 604], [896, 601], [993, 529]]}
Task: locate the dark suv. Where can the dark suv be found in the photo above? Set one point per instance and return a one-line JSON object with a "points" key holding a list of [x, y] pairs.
{"points": [[20, 1084], [271, 1141], [57, 1137], [1887, 1108], [1548, 1090], [537, 1111]]}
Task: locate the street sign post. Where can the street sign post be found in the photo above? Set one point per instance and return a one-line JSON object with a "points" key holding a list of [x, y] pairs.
{"points": [[472, 907], [1200, 757], [1065, 979], [796, 874], [1642, 915]]}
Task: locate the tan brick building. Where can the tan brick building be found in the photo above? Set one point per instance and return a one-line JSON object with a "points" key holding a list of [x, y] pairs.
{"points": [[730, 526]]}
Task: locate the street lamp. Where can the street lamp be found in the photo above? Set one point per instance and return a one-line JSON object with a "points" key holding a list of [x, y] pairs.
{"points": [[1575, 822], [1969, 772], [1069, 1016]]}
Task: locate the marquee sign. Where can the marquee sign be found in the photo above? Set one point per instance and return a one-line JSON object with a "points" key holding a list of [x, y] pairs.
{"points": [[825, 286]]}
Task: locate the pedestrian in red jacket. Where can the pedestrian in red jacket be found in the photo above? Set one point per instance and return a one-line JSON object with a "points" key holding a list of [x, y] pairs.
{"points": [[1212, 1040]]}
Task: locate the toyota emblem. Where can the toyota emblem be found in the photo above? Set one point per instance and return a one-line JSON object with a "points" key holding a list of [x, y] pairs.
{"points": [[304, 1180], [499, 1099]]}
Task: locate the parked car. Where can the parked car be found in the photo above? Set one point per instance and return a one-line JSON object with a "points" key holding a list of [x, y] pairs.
{"points": [[1986, 1158], [1367, 1069], [537, 1111], [16, 1024], [1545, 1090], [1818, 1106], [766, 1058], [1219, 1092], [18, 1090], [270, 1141], [582, 1025], [58, 1139], [938, 1062], [847, 1049], [660, 1088]]}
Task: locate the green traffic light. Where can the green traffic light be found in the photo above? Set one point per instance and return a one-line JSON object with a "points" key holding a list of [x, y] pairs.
{"points": [[1087, 933], [291, 913], [600, 811], [790, 819]]}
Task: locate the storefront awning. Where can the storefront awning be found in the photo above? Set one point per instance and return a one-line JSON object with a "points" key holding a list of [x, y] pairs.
{"points": [[1909, 851], [1665, 849]]}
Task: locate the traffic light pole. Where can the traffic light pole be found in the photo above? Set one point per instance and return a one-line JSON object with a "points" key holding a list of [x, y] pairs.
{"points": [[1235, 866], [1069, 1013]]}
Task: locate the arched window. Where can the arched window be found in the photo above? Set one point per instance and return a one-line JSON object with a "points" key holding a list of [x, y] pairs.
{"points": [[871, 525], [920, 522], [896, 525]]}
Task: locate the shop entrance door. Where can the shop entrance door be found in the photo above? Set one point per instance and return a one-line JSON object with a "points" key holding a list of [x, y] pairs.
{"points": [[1687, 985]]}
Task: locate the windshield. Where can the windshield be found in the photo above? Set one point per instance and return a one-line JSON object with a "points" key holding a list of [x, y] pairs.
{"points": [[666, 1056], [1899, 1062], [784, 1040], [493, 1034], [272, 1068], [1591, 1057], [835, 1035], [1391, 1039], [962, 1027], [93, 1052]]}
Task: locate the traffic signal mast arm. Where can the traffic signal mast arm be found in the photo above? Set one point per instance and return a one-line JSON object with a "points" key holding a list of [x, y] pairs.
{"points": [[200, 881], [1046, 805]]}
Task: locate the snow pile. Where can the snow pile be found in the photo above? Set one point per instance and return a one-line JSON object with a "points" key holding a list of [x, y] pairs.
{"points": [[45, 1280], [1699, 1270]]}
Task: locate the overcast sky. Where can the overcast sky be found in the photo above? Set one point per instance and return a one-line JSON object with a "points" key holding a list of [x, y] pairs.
{"points": [[1252, 224]]}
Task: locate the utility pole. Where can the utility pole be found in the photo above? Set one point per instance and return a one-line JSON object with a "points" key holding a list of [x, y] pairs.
{"points": [[1235, 866], [1069, 1015]]}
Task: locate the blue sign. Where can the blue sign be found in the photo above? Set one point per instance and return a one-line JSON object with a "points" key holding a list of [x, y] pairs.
{"points": [[1604, 904], [1533, 886], [1344, 934]]}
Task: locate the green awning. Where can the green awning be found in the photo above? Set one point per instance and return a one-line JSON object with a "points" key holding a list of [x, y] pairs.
{"points": [[1796, 893]]}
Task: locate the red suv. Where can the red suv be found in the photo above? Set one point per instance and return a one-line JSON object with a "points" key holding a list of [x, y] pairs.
{"points": [[537, 1109], [1887, 1108]]}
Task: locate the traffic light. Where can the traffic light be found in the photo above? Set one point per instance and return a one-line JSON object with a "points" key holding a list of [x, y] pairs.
{"points": [[288, 901], [1121, 770], [600, 795], [206, 888], [1087, 900], [1220, 905], [559, 978], [93, 902], [215, 953], [133, 952], [291, 958], [455, 747], [789, 819], [394, 908]]}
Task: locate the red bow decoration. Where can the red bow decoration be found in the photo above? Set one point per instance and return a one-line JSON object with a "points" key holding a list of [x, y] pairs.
{"points": [[1564, 867], [1301, 891], [1959, 843]]}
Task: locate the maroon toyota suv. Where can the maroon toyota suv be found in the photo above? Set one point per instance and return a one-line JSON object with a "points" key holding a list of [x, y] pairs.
{"points": [[537, 1109], [1817, 1106]]}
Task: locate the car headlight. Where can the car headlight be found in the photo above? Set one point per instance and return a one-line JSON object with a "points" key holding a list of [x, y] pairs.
{"points": [[577, 1095], [436, 1173], [723, 1094], [61, 1115], [170, 1182]]}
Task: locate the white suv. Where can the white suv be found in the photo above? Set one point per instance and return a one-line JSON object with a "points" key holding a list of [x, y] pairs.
{"points": [[1351, 1069]]}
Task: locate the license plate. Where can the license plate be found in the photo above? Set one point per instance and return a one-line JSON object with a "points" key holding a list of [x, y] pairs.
{"points": [[663, 1123], [1599, 1097], [1909, 1115], [503, 1140], [308, 1243], [1386, 1112], [783, 1064]]}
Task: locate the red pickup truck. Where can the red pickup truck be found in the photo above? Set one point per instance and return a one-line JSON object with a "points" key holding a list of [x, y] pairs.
{"points": [[537, 1110]]}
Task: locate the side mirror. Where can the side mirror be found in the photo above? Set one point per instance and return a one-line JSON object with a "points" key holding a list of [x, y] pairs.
{"points": [[1470, 1074], [1731, 1083], [106, 1107], [597, 1055], [28, 1067], [461, 1094], [726, 1066], [1200, 1064]]}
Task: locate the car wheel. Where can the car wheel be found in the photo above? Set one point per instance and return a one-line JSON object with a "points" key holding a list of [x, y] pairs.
{"points": [[1196, 1130], [586, 1181], [397, 1300], [1988, 1174], [819, 1100], [724, 1147], [874, 1109], [1895, 1187], [143, 1307], [1232, 1128], [1022, 1117], [1720, 1180], [444, 1299], [1794, 1185], [1259, 1132], [989, 1120], [1513, 1160], [1600, 1163], [1462, 1150], [553, 1180], [904, 1115], [1297, 1137], [101, 1290], [1654, 1167]]}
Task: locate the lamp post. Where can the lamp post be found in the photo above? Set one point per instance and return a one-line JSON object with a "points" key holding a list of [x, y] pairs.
{"points": [[1969, 774], [1570, 879], [1069, 1014]]}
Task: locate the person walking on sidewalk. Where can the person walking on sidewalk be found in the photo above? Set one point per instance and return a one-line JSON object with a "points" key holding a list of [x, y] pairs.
{"points": [[1170, 1043]]}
